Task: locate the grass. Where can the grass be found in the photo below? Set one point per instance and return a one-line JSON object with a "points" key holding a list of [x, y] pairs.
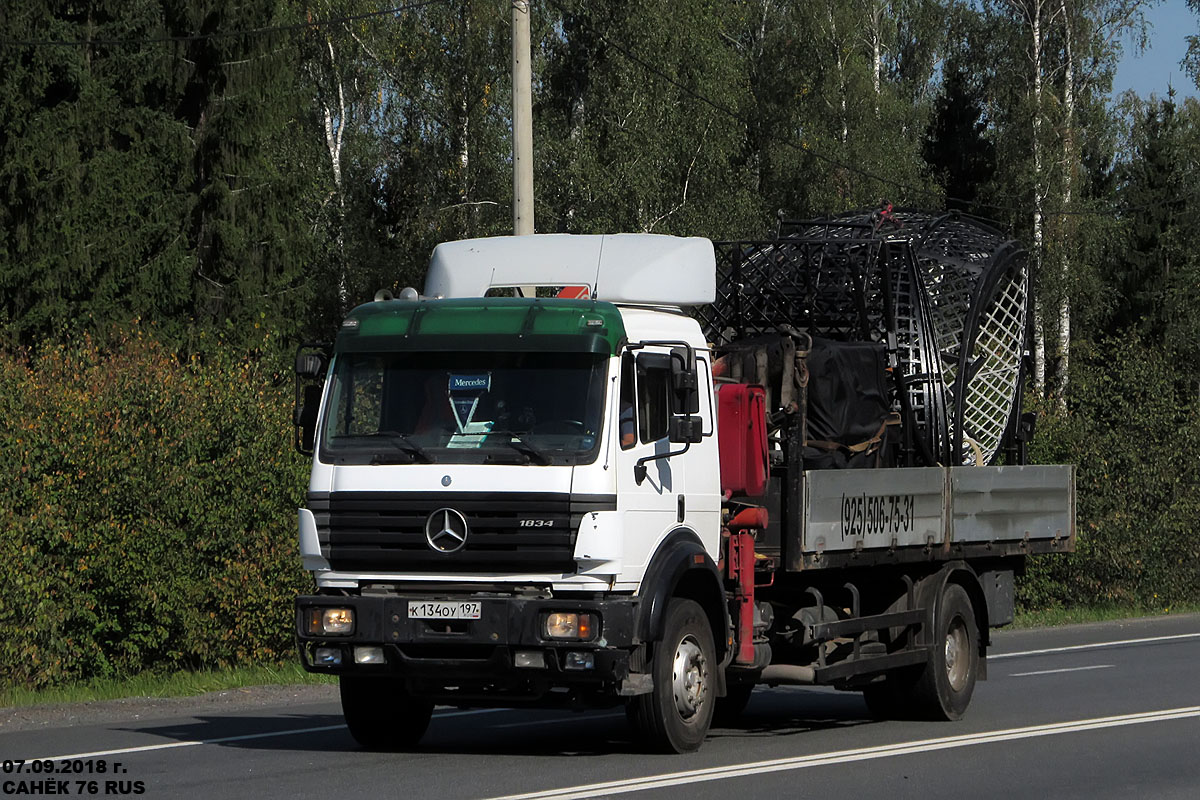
{"points": [[1046, 618], [188, 684], [178, 684]]}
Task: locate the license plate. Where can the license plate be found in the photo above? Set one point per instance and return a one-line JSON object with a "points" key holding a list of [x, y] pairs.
{"points": [[436, 609]]}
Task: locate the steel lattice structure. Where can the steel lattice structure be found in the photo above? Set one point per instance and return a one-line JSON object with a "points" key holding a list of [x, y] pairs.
{"points": [[947, 294]]}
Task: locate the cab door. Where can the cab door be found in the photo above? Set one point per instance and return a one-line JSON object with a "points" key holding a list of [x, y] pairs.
{"points": [[652, 508]]}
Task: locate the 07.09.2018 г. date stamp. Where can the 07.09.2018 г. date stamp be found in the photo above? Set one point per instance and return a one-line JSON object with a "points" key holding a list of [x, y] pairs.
{"points": [[80, 777]]}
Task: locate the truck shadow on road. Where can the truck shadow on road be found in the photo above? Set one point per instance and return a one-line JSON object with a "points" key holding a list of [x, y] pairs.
{"points": [[771, 713], [297, 732], [795, 711]]}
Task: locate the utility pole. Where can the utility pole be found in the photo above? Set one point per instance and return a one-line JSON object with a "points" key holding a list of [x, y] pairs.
{"points": [[522, 116]]}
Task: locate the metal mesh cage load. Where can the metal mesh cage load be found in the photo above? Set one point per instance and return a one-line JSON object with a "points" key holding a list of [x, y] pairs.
{"points": [[948, 294]]}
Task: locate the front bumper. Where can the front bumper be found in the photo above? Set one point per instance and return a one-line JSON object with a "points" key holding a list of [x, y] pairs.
{"points": [[474, 659]]}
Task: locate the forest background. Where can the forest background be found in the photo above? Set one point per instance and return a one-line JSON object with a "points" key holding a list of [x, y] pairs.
{"points": [[190, 188]]}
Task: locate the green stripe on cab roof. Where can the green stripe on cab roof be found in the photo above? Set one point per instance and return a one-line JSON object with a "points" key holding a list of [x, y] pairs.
{"points": [[491, 323]]}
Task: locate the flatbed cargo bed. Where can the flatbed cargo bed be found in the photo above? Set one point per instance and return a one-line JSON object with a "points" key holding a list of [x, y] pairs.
{"points": [[901, 515]]}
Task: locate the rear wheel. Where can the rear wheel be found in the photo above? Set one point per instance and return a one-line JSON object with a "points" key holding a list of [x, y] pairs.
{"points": [[381, 714], [945, 686], [676, 714]]}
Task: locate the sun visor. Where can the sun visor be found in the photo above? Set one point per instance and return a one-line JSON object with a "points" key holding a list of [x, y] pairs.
{"points": [[642, 269]]}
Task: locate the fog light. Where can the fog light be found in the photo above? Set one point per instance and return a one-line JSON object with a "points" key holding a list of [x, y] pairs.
{"points": [[368, 655], [327, 656], [532, 659], [577, 660], [570, 625], [330, 621]]}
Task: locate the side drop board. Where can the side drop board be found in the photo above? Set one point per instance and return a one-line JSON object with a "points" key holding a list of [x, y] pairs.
{"points": [[931, 513]]}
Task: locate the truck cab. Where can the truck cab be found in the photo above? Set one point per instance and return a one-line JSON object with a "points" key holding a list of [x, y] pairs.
{"points": [[495, 476]]}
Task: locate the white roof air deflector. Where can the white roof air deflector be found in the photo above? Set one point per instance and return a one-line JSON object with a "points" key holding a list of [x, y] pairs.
{"points": [[636, 268]]}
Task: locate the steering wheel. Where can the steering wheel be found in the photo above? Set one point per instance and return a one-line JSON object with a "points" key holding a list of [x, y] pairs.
{"points": [[561, 427]]}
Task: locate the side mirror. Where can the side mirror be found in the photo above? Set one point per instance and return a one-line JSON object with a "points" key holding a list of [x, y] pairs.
{"points": [[312, 362], [311, 366], [686, 429], [685, 382], [305, 418]]}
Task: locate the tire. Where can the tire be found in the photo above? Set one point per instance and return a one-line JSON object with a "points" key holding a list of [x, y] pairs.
{"points": [[730, 707], [943, 690], [381, 714], [675, 716]]}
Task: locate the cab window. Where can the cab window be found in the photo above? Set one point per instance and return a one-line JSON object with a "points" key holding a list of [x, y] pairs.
{"points": [[627, 420], [654, 396]]}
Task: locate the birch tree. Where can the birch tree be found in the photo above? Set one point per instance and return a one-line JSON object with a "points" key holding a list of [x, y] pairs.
{"points": [[1092, 35], [1069, 52], [1191, 61]]}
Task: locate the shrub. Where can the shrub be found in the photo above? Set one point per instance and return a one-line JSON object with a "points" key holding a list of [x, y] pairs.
{"points": [[148, 509], [1133, 432]]}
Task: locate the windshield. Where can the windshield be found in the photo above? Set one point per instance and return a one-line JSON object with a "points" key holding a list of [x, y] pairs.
{"points": [[483, 407]]}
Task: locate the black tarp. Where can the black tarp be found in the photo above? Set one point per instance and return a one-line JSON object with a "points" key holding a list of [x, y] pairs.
{"points": [[848, 405]]}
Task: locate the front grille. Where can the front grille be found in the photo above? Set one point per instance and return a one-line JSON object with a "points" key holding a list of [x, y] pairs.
{"points": [[385, 531]]}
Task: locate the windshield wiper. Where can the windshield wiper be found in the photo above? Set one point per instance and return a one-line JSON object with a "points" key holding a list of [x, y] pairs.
{"points": [[401, 442], [523, 447]]}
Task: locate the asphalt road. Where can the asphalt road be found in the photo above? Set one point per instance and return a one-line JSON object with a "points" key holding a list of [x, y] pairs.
{"points": [[1095, 711]]}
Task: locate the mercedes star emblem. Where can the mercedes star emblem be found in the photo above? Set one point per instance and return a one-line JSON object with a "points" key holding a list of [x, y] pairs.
{"points": [[446, 530]]}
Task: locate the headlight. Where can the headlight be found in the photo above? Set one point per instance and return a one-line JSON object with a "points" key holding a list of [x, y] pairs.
{"points": [[330, 621], [571, 625]]}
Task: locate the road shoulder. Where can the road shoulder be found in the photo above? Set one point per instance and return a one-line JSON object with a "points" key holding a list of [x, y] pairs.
{"points": [[101, 712]]}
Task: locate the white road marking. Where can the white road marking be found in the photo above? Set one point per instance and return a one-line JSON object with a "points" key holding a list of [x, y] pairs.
{"points": [[193, 742], [665, 780], [1093, 646], [1064, 669]]}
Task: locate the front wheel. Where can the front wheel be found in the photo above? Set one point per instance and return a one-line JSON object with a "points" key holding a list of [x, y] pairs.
{"points": [[676, 715], [381, 714]]}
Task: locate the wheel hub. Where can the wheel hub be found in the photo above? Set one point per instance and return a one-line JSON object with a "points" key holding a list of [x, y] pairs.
{"points": [[957, 657], [689, 678]]}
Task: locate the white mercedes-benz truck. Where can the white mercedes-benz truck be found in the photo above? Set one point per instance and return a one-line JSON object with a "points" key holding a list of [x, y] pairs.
{"points": [[589, 471]]}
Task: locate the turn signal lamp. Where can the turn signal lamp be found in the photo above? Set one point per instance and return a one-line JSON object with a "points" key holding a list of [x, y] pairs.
{"points": [[571, 625], [330, 621]]}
